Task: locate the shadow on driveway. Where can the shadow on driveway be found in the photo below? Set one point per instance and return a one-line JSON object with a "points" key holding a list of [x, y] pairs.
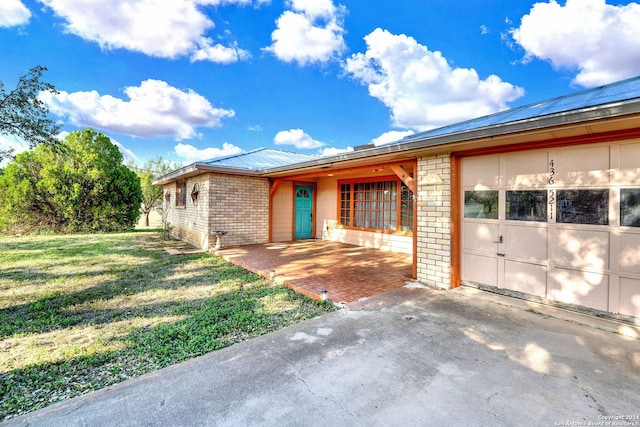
{"points": [[407, 357]]}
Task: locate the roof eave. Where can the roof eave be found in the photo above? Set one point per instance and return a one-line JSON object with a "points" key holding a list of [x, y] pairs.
{"points": [[198, 168]]}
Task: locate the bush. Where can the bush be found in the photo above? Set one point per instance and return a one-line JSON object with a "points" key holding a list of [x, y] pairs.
{"points": [[79, 186]]}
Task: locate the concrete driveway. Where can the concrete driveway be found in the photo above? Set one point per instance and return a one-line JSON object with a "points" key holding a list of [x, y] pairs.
{"points": [[407, 357]]}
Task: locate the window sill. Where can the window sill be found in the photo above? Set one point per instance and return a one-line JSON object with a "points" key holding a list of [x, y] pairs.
{"points": [[371, 230]]}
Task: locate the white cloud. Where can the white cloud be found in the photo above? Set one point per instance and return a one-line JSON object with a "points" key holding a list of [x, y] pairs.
{"points": [[13, 13], [165, 29], [61, 136], [420, 87], [128, 156], [391, 136], [192, 154], [154, 109], [600, 41], [328, 152], [312, 32], [233, 2], [13, 143], [298, 138], [219, 53]]}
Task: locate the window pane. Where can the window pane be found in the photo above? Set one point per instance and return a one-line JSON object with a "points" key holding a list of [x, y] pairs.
{"points": [[374, 206], [527, 205], [345, 204], [181, 194], [406, 209], [481, 204], [583, 207], [630, 207]]}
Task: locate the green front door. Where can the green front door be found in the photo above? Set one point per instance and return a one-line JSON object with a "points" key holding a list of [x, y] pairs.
{"points": [[303, 212]]}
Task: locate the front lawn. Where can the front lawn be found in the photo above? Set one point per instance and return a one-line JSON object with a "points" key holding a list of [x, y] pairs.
{"points": [[81, 312]]}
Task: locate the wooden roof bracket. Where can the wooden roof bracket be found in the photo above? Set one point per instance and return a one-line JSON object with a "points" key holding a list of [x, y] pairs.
{"points": [[405, 177], [274, 186]]}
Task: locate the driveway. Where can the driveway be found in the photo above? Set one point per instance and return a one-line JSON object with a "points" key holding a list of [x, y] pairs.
{"points": [[407, 357]]}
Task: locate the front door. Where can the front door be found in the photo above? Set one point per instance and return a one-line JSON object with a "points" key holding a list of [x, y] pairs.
{"points": [[303, 212]]}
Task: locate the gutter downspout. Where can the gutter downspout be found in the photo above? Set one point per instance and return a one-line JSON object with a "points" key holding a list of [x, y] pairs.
{"points": [[272, 190], [414, 264]]}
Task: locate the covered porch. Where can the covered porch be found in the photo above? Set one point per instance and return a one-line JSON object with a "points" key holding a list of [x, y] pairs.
{"points": [[347, 272]]}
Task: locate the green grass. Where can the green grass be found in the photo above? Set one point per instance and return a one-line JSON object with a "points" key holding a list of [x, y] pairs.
{"points": [[82, 312]]}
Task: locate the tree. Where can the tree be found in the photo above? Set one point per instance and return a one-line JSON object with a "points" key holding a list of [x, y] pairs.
{"points": [[82, 186], [152, 194], [23, 115]]}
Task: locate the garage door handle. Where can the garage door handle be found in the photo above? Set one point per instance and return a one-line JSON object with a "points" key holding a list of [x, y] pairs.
{"points": [[500, 240]]}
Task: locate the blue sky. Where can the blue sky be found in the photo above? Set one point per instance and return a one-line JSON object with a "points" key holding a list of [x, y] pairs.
{"points": [[190, 80]]}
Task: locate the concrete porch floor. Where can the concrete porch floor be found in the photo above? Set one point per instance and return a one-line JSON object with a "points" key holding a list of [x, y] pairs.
{"points": [[347, 272]]}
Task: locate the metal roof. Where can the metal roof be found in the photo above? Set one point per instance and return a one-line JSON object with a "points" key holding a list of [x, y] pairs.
{"points": [[614, 92], [259, 159]]}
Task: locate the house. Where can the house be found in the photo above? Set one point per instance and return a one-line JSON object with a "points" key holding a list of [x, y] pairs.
{"points": [[541, 200]]}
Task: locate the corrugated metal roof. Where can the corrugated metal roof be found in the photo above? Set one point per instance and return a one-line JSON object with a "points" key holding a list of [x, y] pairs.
{"points": [[614, 92], [259, 159]]}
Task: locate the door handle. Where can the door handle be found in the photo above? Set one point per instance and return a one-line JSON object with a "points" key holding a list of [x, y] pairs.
{"points": [[500, 241]]}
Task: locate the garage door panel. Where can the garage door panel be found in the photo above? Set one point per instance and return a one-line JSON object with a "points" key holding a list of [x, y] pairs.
{"points": [[526, 278], [629, 256], [480, 173], [629, 303], [480, 236], [480, 269], [583, 166], [581, 288], [629, 170], [526, 242], [586, 249], [526, 170]]}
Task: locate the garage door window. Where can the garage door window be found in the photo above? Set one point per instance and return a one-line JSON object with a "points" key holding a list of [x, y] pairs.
{"points": [[481, 204], [527, 205], [630, 207], [583, 207]]}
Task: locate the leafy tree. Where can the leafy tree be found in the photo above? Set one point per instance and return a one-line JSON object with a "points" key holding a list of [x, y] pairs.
{"points": [[23, 115], [80, 187], [152, 194]]}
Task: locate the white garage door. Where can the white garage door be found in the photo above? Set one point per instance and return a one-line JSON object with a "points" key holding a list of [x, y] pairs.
{"points": [[561, 224]]}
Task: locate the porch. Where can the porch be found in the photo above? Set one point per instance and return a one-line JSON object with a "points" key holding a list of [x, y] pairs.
{"points": [[348, 273]]}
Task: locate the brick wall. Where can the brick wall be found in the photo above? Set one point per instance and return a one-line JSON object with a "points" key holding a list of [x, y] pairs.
{"points": [[238, 205], [189, 222], [434, 221]]}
